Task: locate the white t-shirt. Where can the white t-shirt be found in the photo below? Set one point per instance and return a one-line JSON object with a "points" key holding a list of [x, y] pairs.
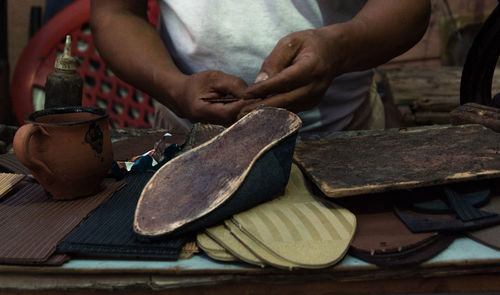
{"points": [[235, 36]]}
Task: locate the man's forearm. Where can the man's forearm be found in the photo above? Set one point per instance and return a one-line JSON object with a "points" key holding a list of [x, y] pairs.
{"points": [[382, 30], [132, 48]]}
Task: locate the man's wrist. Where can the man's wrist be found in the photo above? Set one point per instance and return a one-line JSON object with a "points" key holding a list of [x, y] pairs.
{"points": [[344, 41], [170, 88]]}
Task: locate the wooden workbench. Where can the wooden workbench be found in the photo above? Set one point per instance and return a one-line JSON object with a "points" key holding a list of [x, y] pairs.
{"points": [[466, 266]]}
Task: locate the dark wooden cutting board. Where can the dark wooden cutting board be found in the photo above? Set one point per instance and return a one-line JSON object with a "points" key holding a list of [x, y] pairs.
{"points": [[375, 161]]}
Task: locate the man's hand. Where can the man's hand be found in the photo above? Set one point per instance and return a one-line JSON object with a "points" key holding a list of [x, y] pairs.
{"points": [[297, 72], [300, 68], [193, 90]]}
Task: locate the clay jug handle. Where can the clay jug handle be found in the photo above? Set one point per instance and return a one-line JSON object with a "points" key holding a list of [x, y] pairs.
{"points": [[21, 149]]}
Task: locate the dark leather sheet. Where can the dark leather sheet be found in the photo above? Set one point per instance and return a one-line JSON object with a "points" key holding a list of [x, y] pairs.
{"points": [[376, 161], [381, 238], [108, 231], [32, 224]]}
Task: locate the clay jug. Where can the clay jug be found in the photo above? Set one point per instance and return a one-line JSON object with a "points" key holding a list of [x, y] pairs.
{"points": [[68, 150]]}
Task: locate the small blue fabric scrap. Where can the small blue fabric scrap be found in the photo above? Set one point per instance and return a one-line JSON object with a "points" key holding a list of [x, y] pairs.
{"points": [[145, 162]]}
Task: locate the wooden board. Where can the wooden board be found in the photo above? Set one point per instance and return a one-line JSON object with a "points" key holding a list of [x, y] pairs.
{"points": [[376, 161], [426, 95]]}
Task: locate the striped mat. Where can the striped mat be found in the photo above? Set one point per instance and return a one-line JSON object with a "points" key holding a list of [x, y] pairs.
{"points": [[32, 224], [9, 163]]}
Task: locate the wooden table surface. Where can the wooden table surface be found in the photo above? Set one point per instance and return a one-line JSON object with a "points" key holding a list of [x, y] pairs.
{"points": [[466, 266]]}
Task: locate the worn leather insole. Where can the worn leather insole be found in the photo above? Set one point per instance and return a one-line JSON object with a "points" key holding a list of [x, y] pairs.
{"points": [[195, 183]]}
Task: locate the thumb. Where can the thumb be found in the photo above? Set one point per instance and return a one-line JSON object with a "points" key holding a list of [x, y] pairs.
{"points": [[280, 57]]}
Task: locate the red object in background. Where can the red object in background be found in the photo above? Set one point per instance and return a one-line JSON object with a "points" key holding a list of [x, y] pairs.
{"points": [[127, 106]]}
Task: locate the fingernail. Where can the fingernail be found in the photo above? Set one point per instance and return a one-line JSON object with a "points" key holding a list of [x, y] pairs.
{"points": [[261, 77]]}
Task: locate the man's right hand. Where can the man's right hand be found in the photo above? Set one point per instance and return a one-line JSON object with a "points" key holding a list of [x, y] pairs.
{"points": [[190, 97]]}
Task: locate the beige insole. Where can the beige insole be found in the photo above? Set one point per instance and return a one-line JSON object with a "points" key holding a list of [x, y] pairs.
{"points": [[224, 237], [8, 181], [294, 230], [213, 249], [309, 234]]}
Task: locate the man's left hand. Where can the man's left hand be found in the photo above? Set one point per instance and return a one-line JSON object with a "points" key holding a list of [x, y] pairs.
{"points": [[297, 72]]}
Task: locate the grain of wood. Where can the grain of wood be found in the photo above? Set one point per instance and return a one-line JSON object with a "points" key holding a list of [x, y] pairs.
{"points": [[378, 161]]}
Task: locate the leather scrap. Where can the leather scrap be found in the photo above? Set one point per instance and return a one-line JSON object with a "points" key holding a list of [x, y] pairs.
{"points": [[422, 224], [33, 224], [433, 200], [489, 236], [382, 239], [411, 256], [468, 217], [130, 144]]}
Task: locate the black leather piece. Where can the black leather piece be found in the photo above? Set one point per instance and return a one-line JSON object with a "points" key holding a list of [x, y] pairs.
{"points": [[422, 224], [464, 209], [433, 200], [108, 231]]}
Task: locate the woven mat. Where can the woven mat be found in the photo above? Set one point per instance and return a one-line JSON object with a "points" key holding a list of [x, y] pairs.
{"points": [[9, 163], [108, 232], [32, 224]]}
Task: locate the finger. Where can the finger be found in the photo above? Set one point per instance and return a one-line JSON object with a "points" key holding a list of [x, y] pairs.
{"points": [[293, 77], [228, 84], [223, 114], [280, 57], [296, 100]]}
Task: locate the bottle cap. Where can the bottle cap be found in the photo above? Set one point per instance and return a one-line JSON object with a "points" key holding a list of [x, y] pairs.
{"points": [[66, 62]]}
